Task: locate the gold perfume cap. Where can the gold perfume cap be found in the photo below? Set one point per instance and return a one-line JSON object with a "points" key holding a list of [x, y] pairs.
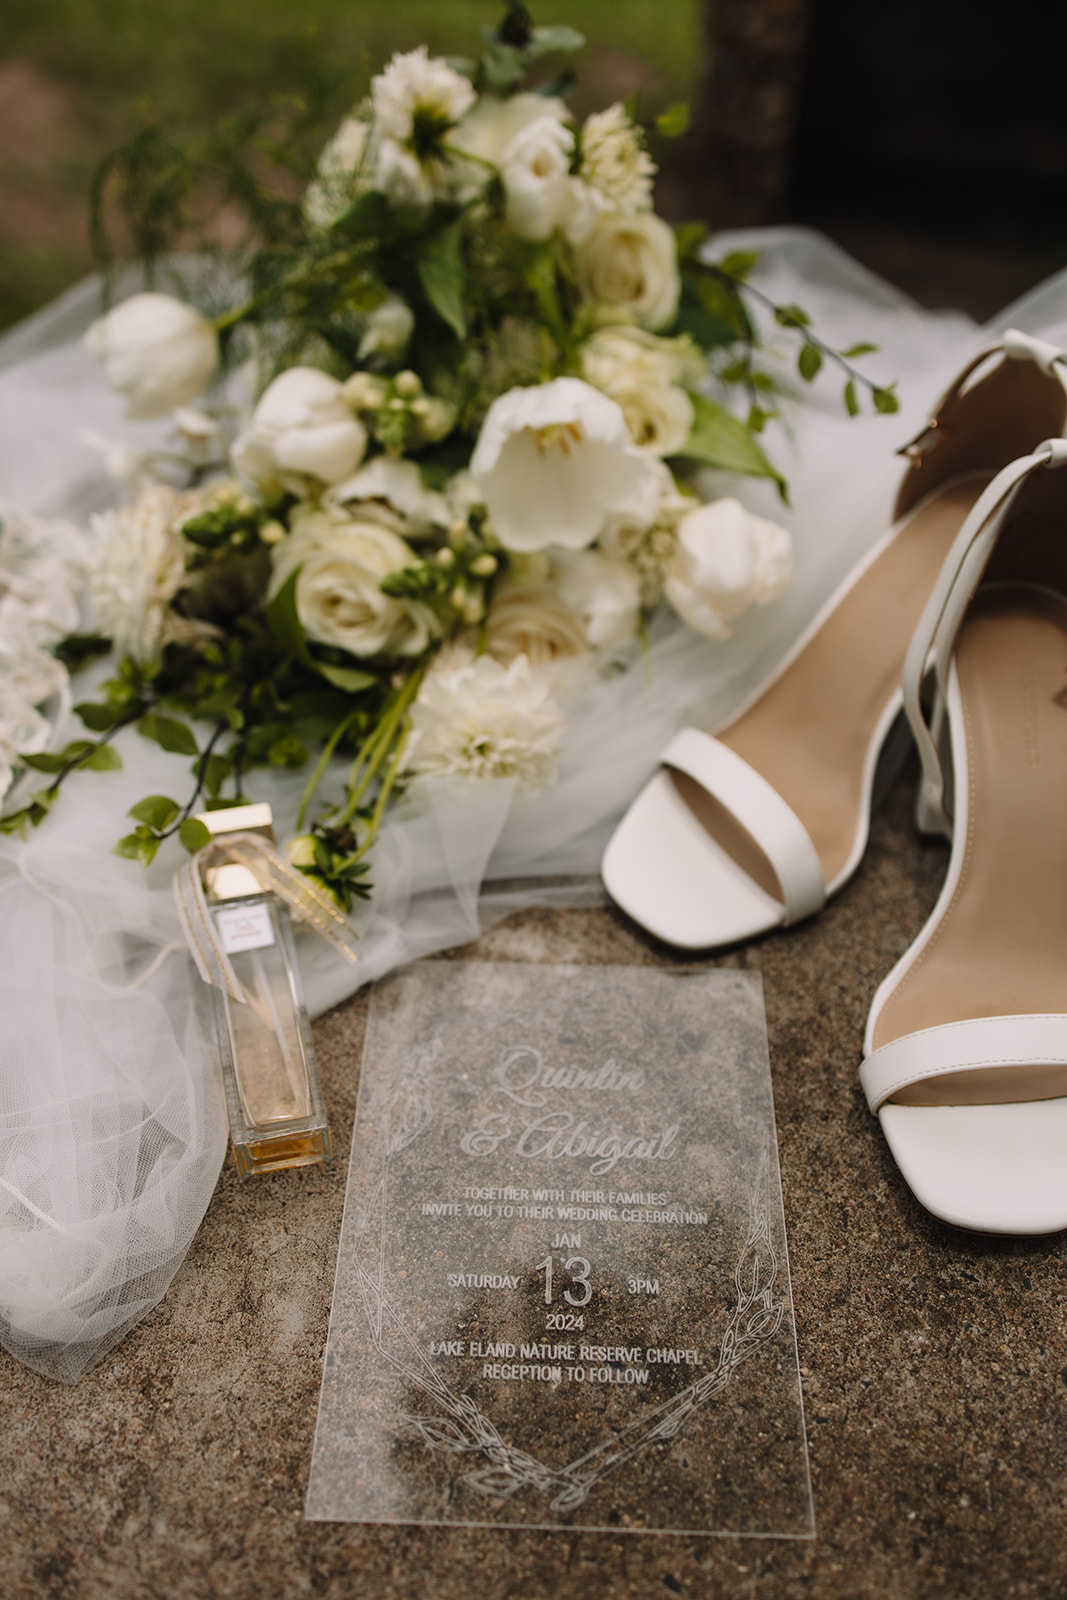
{"points": [[231, 881]]}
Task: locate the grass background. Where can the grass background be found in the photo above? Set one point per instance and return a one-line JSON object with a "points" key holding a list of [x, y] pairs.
{"points": [[78, 77]]}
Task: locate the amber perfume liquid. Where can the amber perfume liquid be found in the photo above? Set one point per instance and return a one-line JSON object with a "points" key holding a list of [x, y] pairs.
{"points": [[277, 1118]]}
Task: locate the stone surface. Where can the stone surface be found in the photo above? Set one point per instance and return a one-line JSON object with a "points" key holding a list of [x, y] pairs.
{"points": [[934, 1362]]}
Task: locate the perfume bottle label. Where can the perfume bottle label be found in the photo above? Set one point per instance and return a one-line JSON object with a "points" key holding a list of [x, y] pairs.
{"points": [[244, 928], [562, 1298]]}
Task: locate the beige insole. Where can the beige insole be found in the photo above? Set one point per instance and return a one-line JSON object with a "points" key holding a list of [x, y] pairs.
{"points": [[809, 734], [1000, 948]]}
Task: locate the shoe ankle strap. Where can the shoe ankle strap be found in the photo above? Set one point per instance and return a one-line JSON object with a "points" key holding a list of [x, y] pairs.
{"points": [[1016, 346], [940, 622]]}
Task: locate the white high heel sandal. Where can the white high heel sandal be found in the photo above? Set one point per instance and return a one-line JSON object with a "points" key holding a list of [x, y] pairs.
{"points": [[967, 1037], [753, 829]]}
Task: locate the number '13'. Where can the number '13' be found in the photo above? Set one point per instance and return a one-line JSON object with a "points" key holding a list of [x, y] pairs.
{"points": [[579, 1280]]}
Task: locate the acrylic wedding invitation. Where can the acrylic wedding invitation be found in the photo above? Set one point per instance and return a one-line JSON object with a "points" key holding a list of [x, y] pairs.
{"points": [[562, 1293]]}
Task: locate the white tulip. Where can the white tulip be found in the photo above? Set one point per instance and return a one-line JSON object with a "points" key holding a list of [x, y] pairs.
{"points": [[726, 560], [156, 351], [302, 428], [342, 560], [555, 461], [630, 264]]}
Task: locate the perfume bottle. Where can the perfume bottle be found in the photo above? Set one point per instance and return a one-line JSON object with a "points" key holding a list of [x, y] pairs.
{"points": [[277, 1118]]}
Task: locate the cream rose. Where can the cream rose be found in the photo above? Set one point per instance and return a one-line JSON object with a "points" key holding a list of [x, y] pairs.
{"points": [[532, 619], [630, 264], [726, 561], [341, 562]]}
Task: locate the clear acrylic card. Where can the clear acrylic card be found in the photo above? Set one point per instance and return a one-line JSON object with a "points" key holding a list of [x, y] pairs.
{"points": [[562, 1294]]}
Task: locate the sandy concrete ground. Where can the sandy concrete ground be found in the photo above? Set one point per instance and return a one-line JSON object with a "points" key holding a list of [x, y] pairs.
{"points": [[934, 1362]]}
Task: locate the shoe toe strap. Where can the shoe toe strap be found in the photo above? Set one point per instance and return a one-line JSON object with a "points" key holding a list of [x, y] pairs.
{"points": [[978, 1044], [760, 811]]}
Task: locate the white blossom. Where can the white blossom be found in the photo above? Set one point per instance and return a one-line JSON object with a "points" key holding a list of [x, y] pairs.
{"points": [[342, 558], [726, 560], [614, 162], [476, 718], [629, 264], [417, 101], [603, 591], [395, 486], [138, 569], [530, 618], [535, 168], [388, 329], [156, 351], [491, 125], [303, 428], [341, 173], [554, 462]]}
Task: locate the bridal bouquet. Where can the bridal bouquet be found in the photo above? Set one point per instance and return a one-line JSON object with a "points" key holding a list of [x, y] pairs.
{"points": [[433, 462]]}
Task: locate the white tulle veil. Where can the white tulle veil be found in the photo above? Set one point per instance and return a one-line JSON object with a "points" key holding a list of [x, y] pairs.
{"points": [[112, 1129]]}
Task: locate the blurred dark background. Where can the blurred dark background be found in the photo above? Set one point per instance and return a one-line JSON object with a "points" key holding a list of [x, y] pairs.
{"points": [[930, 141]]}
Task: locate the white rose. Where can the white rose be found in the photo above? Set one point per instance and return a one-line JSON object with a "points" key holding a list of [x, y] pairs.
{"points": [[156, 351], [555, 461], [302, 428], [532, 620], [726, 561], [342, 561], [630, 264], [535, 168], [642, 372], [388, 330], [491, 124], [603, 591], [397, 488]]}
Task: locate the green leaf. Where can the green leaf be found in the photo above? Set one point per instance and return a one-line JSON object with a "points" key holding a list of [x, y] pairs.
{"points": [[688, 238], [852, 405], [503, 66], [156, 811], [675, 121], [809, 360], [45, 762], [546, 41], [216, 770], [169, 733], [284, 622], [98, 718], [443, 275], [140, 846], [369, 217], [885, 401], [104, 758], [350, 679], [791, 317], [861, 349], [194, 835], [720, 440], [739, 263]]}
